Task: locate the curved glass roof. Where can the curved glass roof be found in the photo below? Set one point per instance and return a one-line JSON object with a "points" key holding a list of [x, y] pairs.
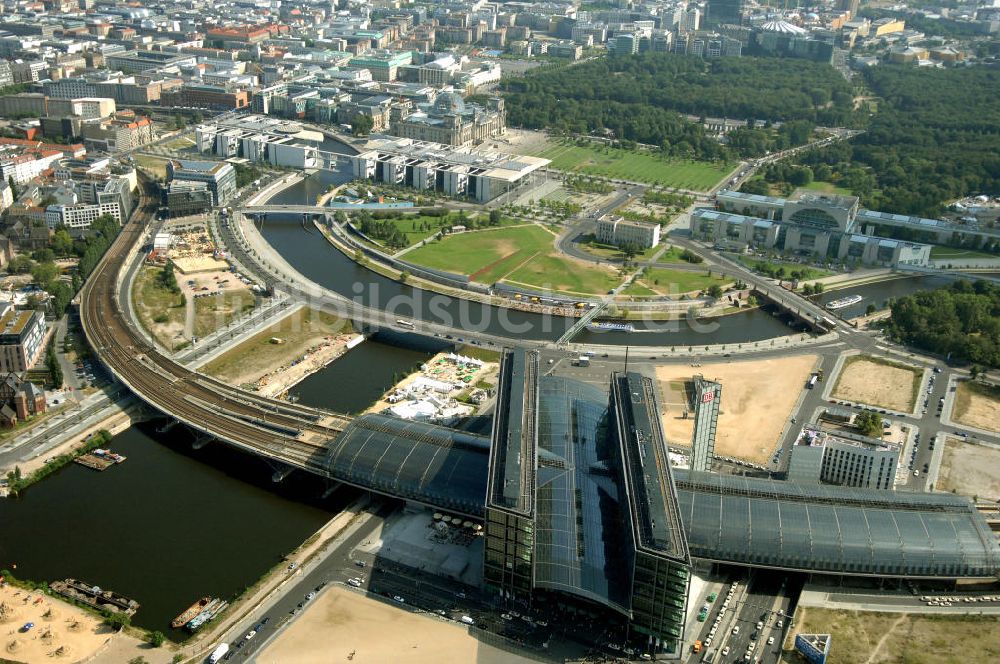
{"points": [[413, 460], [816, 527]]}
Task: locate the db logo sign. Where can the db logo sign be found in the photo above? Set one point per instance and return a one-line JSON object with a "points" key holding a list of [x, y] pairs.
{"points": [[708, 396]]}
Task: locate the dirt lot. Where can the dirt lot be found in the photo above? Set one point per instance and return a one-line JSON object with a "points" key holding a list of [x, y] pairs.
{"points": [[898, 638], [300, 331], [978, 405], [757, 399], [877, 382], [341, 625], [58, 625], [969, 469]]}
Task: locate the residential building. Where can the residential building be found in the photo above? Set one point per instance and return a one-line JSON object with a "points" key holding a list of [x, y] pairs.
{"points": [[21, 337], [19, 400], [619, 232], [123, 132], [707, 400]]}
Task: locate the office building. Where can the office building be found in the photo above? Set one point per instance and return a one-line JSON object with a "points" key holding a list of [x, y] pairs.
{"points": [[843, 458], [849, 6], [808, 224], [707, 399], [220, 177], [619, 232], [21, 337], [725, 12], [184, 198]]}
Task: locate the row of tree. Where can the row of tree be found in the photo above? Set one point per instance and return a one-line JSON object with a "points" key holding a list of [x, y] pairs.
{"points": [[961, 320]]}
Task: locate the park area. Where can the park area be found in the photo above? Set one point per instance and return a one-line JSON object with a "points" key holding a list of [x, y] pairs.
{"points": [[664, 281], [523, 255], [757, 399], [969, 469], [875, 381], [638, 166], [341, 625], [861, 637], [978, 405]]}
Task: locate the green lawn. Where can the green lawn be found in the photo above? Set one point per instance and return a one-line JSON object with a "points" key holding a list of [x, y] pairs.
{"points": [[944, 253], [485, 256], [671, 255], [828, 188], [665, 281], [638, 289], [638, 166], [419, 227], [809, 271], [564, 275], [590, 245]]}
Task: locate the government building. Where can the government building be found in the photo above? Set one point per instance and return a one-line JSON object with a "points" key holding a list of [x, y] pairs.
{"points": [[829, 227]]}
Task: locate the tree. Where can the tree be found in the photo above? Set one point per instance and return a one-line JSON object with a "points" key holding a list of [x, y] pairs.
{"points": [[715, 291], [869, 423], [495, 217], [975, 371], [13, 187], [157, 638], [53, 366], [44, 273], [138, 660], [117, 620], [870, 309], [629, 251], [361, 125], [404, 276], [168, 279]]}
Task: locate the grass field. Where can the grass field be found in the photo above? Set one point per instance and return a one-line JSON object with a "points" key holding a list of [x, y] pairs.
{"points": [[485, 256], [524, 255], [896, 638], [828, 188], [157, 166], [664, 281], [160, 311], [945, 253], [211, 313], [589, 244], [637, 166], [875, 381], [978, 405], [565, 275], [257, 355], [811, 272]]}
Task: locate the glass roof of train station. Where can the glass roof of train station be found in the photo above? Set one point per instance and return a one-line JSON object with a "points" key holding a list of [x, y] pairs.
{"points": [[823, 528], [746, 521]]}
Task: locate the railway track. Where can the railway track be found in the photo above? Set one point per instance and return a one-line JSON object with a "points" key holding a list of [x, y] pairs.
{"points": [[292, 434]]}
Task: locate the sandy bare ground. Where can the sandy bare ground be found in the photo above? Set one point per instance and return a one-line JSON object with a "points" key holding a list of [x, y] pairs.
{"points": [[872, 383], [58, 625], [757, 399], [342, 625], [978, 406], [973, 470]]}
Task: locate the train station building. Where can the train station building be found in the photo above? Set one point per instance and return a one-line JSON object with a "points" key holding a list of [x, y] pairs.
{"points": [[584, 515]]}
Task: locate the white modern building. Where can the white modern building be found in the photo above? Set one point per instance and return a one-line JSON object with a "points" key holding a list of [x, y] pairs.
{"points": [[843, 458], [619, 232]]}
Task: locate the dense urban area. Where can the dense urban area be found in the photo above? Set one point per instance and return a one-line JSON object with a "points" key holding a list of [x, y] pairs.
{"points": [[558, 331]]}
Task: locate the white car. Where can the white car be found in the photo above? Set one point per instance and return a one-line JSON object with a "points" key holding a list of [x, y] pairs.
{"points": [[399, 599], [736, 629], [354, 582], [252, 633], [770, 640], [725, 651]]}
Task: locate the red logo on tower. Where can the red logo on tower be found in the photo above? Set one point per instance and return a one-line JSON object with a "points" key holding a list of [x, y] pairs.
{"points": [[707, 396]]}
